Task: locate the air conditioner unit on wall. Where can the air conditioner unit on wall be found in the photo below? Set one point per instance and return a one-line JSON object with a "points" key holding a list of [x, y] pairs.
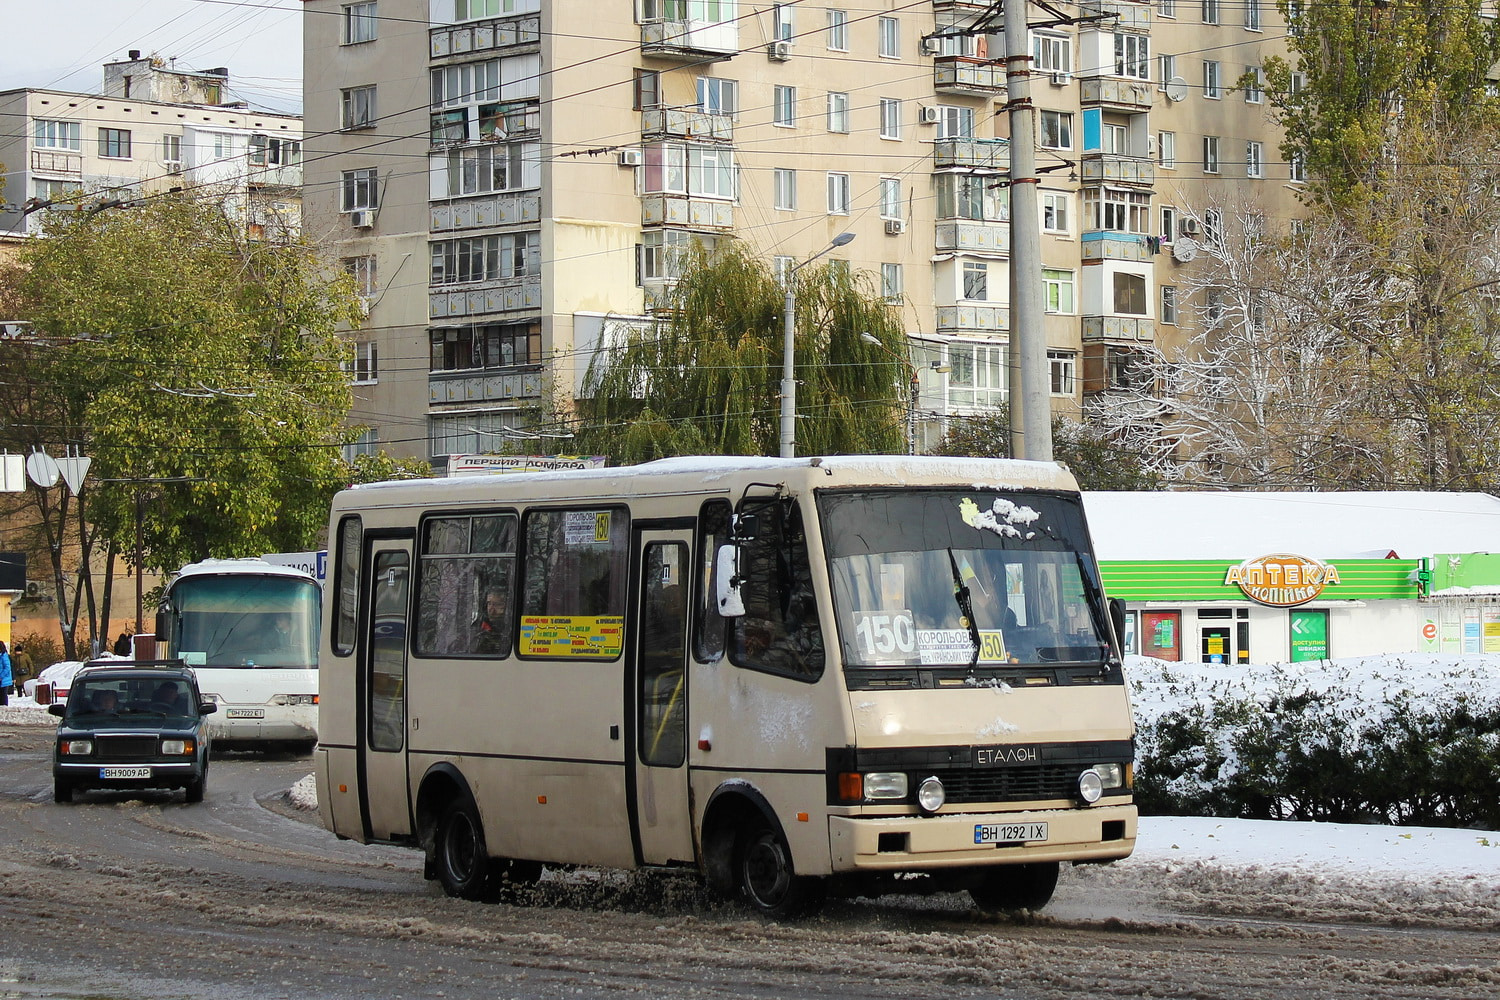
{"points": [[1060, 79], [895, 227], [931, 46], [1187, 227], [363, 219], [929, 116], [630, 157], [779, 51]]}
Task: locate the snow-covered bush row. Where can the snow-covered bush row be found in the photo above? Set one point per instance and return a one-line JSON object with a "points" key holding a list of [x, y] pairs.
{"points": [[1410, 739]]}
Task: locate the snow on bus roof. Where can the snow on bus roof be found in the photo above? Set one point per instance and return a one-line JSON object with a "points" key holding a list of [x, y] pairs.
{"points": [[988, 473], [1191, 524], [249, 564]]}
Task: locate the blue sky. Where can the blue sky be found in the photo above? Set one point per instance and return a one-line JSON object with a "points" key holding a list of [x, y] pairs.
{"points": [[259, 40]]}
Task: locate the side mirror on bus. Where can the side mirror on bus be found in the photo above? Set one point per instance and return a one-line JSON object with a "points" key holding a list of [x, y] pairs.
{"points": [[745, 527], [1117, 620], [727, 582]]}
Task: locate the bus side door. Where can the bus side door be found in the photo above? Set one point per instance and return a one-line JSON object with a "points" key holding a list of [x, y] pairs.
{"points": [[657, 792], [385, 796]]}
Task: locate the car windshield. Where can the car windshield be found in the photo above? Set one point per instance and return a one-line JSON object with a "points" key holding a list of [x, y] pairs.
{"points": [[126, 696], [967, 578]]}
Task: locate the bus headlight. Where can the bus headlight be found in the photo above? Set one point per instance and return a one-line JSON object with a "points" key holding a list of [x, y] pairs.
{"points": [[1090, 786], [885, 785], [1111, 775], [930, 795]]}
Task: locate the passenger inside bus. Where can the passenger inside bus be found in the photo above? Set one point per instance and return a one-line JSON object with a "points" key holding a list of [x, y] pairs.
{"points": [[492, 627]]}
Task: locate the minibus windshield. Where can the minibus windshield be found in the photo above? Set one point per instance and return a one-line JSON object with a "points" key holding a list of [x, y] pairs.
{"points": [[972, 579]]}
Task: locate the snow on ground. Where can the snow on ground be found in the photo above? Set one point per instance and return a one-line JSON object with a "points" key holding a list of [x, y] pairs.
{"points": [[1378, 854]]}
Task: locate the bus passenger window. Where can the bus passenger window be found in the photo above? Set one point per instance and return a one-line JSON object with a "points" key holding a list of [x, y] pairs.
{"points": [[779, 632], [468, 570], [708, 624], [346, 586], [574, 583]]}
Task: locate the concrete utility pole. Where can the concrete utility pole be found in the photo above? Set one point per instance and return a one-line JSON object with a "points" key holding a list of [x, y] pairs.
{"points": [[1030, 407]]}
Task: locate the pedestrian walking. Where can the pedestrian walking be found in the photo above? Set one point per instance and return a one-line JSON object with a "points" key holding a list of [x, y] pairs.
{"points": [[22, 668], [5, 678], [122, 645]]}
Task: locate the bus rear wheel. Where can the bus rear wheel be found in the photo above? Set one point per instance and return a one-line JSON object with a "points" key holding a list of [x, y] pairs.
{"points": [[767, 878], [462, 859], [1008, 888]]}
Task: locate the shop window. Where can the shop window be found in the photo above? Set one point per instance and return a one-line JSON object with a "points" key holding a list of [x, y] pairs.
{"points": [[1161, 634]]}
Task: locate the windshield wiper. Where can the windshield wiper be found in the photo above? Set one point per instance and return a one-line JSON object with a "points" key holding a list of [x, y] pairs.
{"points": [[965, 606]]}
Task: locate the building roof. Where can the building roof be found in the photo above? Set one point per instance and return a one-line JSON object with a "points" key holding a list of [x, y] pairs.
{"points": [[1224, 525]]}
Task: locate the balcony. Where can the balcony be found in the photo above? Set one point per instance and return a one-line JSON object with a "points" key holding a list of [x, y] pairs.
{"points": [[686, 211], [1114, 168], [288, 177], [47, 162], [973, 318], [685, 123], [485, 210], [958, 235], [690, 41], [1128, 15], [504, 295], [962, 6], [967, 76], [976, 154], [1103, 245], [1116, 93], [1118, 330], [484, 36], [483, 387]]}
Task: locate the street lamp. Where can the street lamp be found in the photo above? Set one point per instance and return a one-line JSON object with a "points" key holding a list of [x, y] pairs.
{"points": [[916, 387], [788, 331]]}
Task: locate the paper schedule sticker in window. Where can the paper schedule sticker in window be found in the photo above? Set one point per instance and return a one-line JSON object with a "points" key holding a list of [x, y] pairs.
{"points": [[572, 636], [584, 527]]}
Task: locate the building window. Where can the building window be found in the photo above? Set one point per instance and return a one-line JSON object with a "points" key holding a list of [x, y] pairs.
{"points": [[501, 346], [1166, 150], [1117, 210], [1210, 11], [890, 118], [1061, 371], [114, 143], [955, 122], [976, 280], [977, 197], [676, 168], [1057, 286], [1166, 8], [1252, 15], [785, 104], [786, 189], [362, 270], [1132, 55], [838, 112], [467, 10], [362, 368], [1051, 53], [1169, 305], [890, 197], [1255, 86], [1055, 212], [1116, 138], [838, 194], [1130, 294], [1168, 223], [486, 258], [1057, 130], [1210, 154], [359, 23], [783, 26], [1297, 168], [647, 89], [1254, 159], [781, 268], [275, 151], [357, 108], [665, 251], [1168, 69], [979, 376], [1213, 226], [171, 150], [489, 168], [890, 37], [368, 443], [838, 30], [360, 190], [50, 134], [891, 282], [1213, 87], [718, 97]]}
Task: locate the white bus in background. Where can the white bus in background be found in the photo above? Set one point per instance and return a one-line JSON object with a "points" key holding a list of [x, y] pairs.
{"points": [[249, 629], [856, 675]]}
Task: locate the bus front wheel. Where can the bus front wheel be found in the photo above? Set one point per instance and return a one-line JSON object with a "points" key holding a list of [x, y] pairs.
{"points": [[1007, 888], [767, 879]]}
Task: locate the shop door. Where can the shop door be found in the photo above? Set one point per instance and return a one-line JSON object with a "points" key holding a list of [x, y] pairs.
{"points": [[1215, 645]]}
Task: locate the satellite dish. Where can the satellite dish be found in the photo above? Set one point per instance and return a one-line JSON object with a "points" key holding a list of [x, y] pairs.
{"points": [[1185, 249], [1176, 88]]}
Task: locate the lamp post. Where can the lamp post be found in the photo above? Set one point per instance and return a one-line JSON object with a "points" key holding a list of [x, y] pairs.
{"points": [[788, 349], [916, 388]]}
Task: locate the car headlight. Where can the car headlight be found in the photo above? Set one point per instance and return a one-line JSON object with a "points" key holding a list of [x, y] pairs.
{"points": [[1090, 786], [931, 795], [77, 748], [177, 748], [301, 699], [885, 785], [1110, 775]]}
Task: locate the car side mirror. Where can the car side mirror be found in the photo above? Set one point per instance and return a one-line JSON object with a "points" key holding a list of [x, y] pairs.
{"points": [[58, 710], [207, 707], [731, 603]]}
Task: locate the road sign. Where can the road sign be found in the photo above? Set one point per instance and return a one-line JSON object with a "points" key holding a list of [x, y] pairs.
{"points": [[42, 469]]}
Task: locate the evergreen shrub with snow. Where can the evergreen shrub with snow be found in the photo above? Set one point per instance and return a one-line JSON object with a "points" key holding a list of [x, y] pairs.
{"points": [[1411, 740]]}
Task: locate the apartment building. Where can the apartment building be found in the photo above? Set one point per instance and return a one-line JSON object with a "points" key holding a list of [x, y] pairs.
{"points": [[150, 129], [511, 180]]}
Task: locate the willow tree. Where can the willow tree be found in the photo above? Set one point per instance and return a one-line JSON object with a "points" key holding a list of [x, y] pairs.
{"points": [[199, 369], [705, 378]]}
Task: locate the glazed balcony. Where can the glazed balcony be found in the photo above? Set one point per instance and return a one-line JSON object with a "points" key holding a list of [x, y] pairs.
{"points": [[690, 41]]}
